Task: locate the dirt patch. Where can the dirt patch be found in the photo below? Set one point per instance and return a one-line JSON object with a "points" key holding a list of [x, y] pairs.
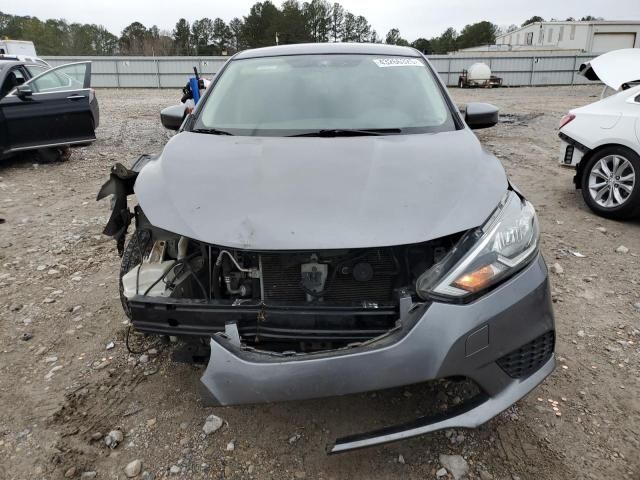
{"points": [[516, 119], [65, 385]]}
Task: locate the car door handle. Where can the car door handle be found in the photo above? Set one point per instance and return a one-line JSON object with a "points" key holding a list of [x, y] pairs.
{"points": [[76, 97]]}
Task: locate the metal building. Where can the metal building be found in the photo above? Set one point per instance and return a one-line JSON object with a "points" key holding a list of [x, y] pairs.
{"points": [[596, 36]]}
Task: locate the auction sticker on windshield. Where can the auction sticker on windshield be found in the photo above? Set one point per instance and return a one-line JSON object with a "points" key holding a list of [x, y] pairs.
{"points": [[398, 62]]}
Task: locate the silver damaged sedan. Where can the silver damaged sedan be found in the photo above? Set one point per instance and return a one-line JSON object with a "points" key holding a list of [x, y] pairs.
{"points": [[325, 222]]}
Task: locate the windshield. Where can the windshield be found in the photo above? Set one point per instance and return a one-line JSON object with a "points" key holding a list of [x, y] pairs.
{"points": [[297, 94]]}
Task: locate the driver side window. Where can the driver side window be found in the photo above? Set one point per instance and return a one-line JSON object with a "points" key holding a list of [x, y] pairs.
{"points": [[13, 79], [36, 70], [69, 77]]}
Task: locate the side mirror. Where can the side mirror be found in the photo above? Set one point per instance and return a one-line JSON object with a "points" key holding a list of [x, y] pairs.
{"points": [[23, 92], [173, 116], [481, 115]]}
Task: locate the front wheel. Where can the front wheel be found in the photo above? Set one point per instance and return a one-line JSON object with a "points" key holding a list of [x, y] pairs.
{"points": [[610, 183], [138, 247]]}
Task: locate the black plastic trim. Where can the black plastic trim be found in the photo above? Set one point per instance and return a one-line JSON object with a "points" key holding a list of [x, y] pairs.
{"points": [[573, 142], [206, 318], [461, 409]]}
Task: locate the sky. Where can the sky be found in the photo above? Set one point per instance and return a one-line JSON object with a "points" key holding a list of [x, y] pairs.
{"points": [[414, 18]]}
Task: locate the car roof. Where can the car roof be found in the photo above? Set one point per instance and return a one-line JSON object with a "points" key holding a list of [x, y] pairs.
{"points": [[329, 48], [4, 62], [7, 63]]}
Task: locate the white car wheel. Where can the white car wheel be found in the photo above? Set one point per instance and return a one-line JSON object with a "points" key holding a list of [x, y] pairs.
{"points": [[611, 181]]}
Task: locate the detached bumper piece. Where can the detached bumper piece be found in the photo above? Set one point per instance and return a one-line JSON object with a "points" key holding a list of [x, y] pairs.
{"points": [[471, 414], [120, 185]]}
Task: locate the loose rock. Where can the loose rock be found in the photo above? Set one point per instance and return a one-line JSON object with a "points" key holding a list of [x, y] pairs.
{"points": [[113, 438], [622, 249], [557, 269], [26, 336], [455, 464], [133, 468], [441, 473], [212, 424], [89, 474], [49, 375]]}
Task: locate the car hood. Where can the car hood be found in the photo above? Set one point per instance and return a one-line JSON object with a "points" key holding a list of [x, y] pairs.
{"points": [[274, 193], [614, 68]]}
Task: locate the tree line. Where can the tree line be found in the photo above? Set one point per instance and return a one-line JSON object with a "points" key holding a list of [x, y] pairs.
{"points": [[264, 25]]}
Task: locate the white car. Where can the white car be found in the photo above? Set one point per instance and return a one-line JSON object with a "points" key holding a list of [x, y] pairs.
{"points": [[602, 140]]}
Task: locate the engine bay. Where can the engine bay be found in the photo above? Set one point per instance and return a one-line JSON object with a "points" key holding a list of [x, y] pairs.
{"points": [[280, 301], [293, 301]]}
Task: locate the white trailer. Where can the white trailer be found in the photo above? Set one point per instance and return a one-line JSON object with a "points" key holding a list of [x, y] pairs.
{"points": [[18, 48]]}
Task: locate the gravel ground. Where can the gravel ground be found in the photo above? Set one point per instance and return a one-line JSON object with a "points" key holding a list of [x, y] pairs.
{"points": [[67, 379]]}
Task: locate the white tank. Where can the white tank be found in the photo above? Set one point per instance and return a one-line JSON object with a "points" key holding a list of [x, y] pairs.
{"points": [[479, 72], [148, 280]]}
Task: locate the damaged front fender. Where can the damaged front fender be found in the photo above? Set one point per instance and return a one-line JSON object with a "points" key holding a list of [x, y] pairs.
{"points": [[120, 185]]}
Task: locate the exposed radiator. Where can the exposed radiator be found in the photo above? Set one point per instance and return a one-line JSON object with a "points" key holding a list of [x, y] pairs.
{"points": [[281, 277]]}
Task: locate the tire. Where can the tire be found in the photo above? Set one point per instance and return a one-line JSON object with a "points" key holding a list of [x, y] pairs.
{"points": [[52, 154], [130, 258], [607, 194]]}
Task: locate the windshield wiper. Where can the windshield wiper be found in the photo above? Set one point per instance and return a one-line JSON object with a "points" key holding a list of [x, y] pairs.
{"points": [[345, 132], [212, 131]]}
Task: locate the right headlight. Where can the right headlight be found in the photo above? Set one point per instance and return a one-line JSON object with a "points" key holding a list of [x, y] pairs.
{"points": [[485, 256]]}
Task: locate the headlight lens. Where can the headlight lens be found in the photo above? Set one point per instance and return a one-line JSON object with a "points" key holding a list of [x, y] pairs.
{"points": [[486, 255]]}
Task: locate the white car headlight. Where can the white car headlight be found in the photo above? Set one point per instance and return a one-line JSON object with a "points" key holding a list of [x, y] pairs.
{"points": [[507, 241]]}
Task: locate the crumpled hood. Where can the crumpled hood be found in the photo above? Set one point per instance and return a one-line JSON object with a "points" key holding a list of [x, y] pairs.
{"points": [[274, 193], [614, 68]]}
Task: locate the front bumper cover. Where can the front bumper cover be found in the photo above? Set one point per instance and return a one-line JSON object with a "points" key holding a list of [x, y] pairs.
{"points": [[471, 414], [435, 341]]}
